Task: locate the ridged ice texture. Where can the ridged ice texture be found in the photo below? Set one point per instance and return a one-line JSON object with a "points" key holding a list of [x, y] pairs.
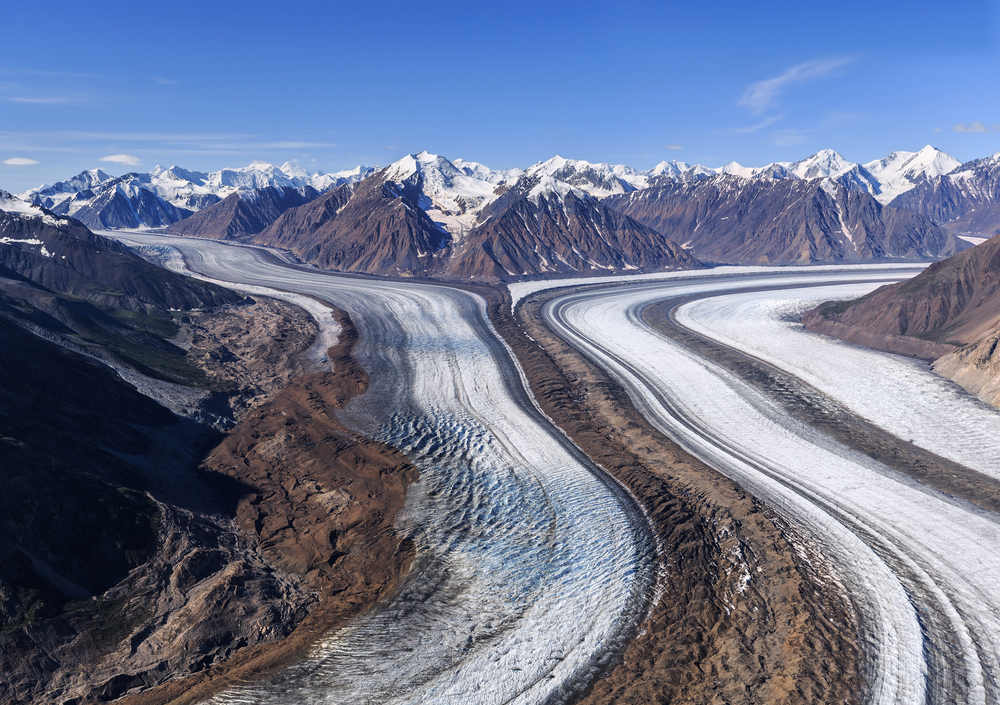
{"points": [[898, 394], [921, 567], [532, 569]]}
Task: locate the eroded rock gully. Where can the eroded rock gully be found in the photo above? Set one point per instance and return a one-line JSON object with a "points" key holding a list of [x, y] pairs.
{"points": [[282, 534], [320, 503], [249, 350], [748, 613]]}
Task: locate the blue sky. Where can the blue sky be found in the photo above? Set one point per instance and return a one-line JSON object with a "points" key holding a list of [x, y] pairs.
{"points": [[333, 85]]}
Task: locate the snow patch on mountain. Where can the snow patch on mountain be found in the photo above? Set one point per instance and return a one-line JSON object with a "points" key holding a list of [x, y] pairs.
{"points": [[13, 204], [452, 196], [599, 180], [17, 206], [901, 171], [550, 188]]}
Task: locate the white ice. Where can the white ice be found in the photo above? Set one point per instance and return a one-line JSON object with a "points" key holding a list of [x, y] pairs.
{"points": [[533, 569], [921, 567]]}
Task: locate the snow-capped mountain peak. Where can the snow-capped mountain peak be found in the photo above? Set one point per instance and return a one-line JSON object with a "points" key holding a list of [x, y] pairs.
{"points": [[451, 196], [826, 163], [50, 196], [737, 169], [294, 170], [901, 171], [598, 180], [549, 188], [484, 173], [12, 204], [176, 173], [671, 168], [257, 175]]}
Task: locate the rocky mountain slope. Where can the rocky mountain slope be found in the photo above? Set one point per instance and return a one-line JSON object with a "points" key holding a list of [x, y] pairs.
{"points": [[394, 223], [60, 254], [965, 201], [544, 226], [119, 204], [123, 565], [739, 220], [949, 313], [374, 227], [243, 213]]}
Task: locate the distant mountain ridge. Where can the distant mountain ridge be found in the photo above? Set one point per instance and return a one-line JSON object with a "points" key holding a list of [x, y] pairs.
{"points": [[167, 195], [739, 220], [472, 183], [966, 200], [430, 216], [423, 216]]}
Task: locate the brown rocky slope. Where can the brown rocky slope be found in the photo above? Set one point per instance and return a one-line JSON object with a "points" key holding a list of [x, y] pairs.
{"points": [[558, 233], [243, 213], [949, 313], [320, 504], [735, 220], [375, 227], [122, 567], [379, 226], [965, 200]]}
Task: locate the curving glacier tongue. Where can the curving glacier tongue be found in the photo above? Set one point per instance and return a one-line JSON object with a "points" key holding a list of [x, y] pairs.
{"points": [[532, 568]]}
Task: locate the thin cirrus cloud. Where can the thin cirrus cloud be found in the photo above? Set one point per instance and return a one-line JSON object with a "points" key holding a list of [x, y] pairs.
{"points": [[145, 142], [19, 161], [51, 100], [126, 159], [790, 138], [975, 127], [750, 129], [674, 146], [763, 95]]}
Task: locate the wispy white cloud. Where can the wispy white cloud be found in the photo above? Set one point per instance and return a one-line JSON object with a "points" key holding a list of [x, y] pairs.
{"points": [[126, 159], [674, 146], [150, 142], [165, 81], [19, 161], [42, 100], [975, 127], [750, 129], [762, 95], [12, 71], [789, 138]]}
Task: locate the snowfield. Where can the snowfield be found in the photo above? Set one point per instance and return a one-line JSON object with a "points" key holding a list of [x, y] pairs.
{"points": [[921, 567], [533, 569]]}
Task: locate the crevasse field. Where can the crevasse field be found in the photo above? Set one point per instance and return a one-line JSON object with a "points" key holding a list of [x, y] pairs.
{"points": [[532, 569]]}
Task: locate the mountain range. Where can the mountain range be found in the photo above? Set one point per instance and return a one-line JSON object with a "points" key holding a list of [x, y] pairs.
{"points": [[758, 220], [426, 215]]}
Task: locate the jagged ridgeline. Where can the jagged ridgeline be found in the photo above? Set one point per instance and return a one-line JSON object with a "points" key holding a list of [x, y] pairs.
{"points": [[425, 215]]}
